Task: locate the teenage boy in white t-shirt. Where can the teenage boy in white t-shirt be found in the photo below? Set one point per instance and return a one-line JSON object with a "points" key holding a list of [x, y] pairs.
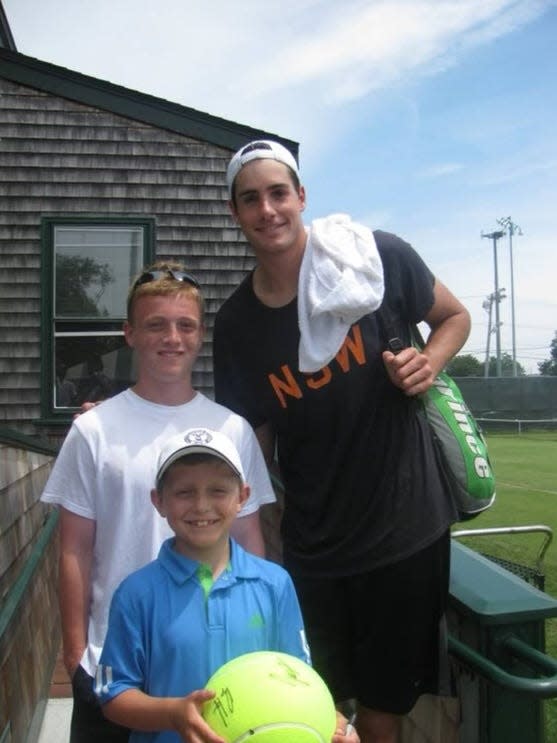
{"points": [[108, 463]]}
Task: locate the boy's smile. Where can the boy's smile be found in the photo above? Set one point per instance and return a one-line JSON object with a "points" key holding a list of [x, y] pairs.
{"points": [[200, 502]]}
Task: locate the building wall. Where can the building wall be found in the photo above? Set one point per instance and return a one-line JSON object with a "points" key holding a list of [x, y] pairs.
{"points": [[61, 158]]}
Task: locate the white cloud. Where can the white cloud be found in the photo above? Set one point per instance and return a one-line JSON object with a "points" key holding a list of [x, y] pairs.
{"points": [[265, 56], [440, 170], [516, 170], [367, 46]]}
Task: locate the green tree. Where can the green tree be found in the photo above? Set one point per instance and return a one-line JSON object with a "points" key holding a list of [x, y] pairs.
{"points": [[506, 366], [549, 367], [74, 276], [465, 365]]}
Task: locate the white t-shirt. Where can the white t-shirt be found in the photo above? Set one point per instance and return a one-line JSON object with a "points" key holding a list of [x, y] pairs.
{"points": [[105, 471]]}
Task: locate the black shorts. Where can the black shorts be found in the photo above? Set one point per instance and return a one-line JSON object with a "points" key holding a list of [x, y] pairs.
{"points": [[375, 637], [88, 724]]}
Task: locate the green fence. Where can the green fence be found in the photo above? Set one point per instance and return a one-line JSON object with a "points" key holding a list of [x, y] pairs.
{"points": [[531, 397]]}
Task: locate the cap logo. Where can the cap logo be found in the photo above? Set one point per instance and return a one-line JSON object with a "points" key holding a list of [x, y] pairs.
{"points": [[198, 436]]}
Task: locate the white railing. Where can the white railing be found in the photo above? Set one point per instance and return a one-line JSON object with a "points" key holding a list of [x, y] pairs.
{"points": [[521, 423]]}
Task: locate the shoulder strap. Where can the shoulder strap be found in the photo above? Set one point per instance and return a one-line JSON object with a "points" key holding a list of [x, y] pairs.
{"points": [[389, 328]]}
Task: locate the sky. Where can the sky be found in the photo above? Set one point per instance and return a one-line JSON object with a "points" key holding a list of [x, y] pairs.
{"points": [[432, 119]]}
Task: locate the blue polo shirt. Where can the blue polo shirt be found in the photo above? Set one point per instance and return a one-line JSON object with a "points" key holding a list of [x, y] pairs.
{"points": [[168, 634]]}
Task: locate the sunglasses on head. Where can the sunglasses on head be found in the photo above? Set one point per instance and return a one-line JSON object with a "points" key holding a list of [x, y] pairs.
{"points": [[166, 273]]}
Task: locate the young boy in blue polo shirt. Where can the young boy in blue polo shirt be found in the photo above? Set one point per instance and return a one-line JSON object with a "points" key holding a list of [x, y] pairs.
{"points": [[202, 602]]}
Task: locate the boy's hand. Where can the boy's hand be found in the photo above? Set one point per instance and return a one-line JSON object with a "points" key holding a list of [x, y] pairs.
{"points": [[345, 731], [188, 721]]}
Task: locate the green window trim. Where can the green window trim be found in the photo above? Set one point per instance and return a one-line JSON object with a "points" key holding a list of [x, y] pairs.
{"points": [[87, 264]]}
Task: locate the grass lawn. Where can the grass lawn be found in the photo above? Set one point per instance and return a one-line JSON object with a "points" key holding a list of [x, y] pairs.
{"points": [[525, 468]]}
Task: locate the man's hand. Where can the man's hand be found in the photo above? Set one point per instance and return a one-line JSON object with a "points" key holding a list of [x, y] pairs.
{"points": [[409, 370]]}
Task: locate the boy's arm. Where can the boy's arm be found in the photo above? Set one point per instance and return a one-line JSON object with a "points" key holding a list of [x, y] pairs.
{"points": [[246, 530], [77, 537], [139, 711], [267, 439]]}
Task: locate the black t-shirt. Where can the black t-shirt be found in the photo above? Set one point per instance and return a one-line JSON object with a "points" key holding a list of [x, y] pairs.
{"points": [[362, 487]]}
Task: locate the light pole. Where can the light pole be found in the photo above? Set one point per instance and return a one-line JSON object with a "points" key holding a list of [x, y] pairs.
{"points": [[496, 235], [508, 224], [488, 307]]}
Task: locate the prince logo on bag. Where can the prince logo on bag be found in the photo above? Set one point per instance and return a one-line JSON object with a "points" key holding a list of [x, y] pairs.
{"points": [[462, 447]]}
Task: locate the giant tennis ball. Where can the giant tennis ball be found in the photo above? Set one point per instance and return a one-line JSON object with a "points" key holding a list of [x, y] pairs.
{"points": [[270, 697]]}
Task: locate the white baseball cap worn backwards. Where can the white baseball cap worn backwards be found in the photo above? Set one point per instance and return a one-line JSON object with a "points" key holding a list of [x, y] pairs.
{"points": [[264, 149], [199, 441]]}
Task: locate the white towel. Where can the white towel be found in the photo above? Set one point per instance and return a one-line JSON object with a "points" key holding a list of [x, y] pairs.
{"points": [[341, 280]]}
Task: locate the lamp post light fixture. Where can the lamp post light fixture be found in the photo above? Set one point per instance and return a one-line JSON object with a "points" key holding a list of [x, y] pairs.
{"points": [[494, 236]]}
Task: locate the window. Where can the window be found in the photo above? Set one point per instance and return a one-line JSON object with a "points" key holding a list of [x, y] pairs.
{"points": [[88, 267]]}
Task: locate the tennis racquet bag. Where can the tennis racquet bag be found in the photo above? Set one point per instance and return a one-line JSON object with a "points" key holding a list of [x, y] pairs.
{"points": [[460, 445]]}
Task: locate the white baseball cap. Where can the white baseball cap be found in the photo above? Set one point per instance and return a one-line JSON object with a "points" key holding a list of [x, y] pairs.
{"points": [[263, 149], [199, 441]]}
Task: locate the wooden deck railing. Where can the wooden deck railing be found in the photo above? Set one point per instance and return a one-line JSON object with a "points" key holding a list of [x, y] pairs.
{"points": [[29, 625]]}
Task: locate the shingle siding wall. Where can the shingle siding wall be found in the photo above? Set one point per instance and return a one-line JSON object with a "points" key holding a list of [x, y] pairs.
{"points": [[61, 158]]}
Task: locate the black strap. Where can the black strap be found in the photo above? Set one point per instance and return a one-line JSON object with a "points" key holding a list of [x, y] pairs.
{"points": [[389, 327], [392, 327]]}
